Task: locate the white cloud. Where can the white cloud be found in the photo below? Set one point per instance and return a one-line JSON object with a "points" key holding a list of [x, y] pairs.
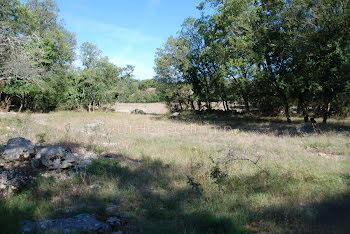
{"points": [[111, 31]]}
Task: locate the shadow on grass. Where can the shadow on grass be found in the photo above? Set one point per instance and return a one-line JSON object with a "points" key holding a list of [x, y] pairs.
{"points": [[159, 206], [328, 216], [250, 123], [155, 203], [149, 198]]}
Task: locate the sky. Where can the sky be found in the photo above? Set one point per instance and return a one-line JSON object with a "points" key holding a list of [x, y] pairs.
{"points": [[127, 31]]}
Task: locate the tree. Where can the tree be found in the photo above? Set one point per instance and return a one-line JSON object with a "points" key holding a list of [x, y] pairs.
{"points": [[234, 30], [330, 39], [19, 56], [89, 55]]}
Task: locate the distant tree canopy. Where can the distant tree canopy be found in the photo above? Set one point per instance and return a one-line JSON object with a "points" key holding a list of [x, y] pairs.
{"points": [[36, 64], [267, 54]]}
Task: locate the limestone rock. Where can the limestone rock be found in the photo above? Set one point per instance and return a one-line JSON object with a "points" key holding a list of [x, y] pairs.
{"points": [[13, 180], [79, 223], [57, 157], [113, 221], [17, 149], [138, 112]]}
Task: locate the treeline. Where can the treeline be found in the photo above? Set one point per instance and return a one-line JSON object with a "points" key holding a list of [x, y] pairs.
{"points": [[37, 69], [270, 54]]}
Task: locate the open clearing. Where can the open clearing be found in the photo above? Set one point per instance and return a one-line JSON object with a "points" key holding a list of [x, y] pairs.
{"points": [[149, 108], [191, 174]]}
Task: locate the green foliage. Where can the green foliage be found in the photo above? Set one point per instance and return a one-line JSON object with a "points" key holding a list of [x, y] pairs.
{"points": [[95, 148], [103, 167], [41, 137], [266, 54]]}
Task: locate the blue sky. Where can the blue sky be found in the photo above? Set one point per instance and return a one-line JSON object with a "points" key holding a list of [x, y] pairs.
{"points": [[127, 31]]}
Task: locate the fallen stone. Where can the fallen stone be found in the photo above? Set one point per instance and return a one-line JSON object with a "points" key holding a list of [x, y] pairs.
{"points": [[138, 112], [57, 157], [175, 114], [113, 221], [111, 209], [95, 186], [35, 164], [82, 222], [13, 180], [17, 149]]}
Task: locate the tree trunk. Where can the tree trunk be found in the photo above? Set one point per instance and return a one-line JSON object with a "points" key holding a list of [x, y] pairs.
{"points": [[20, 108], [7, 103], [192, 105], [305, 113], [223, 104], [89, 107], [207, 104], [227, 107], [287, 113], [199, 104], [326, 110], [246, 104], [303, 107]]}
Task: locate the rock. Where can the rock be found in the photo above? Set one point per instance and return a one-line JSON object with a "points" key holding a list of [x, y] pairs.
{"points": [[35, 164], [175, 114], [138, 112], [95, 186], [17, 149], [13, 180], [57, 157], [113, 221], [79, 223], [111, 209]]}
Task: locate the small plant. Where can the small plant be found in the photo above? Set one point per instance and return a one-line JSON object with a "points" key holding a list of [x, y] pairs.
{"points": [[232, 155], [102, 167], [41, 137], [194, 185], [95, 148], [218, 175]]}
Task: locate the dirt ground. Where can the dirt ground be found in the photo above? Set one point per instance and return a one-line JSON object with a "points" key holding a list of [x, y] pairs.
{"points": [[149, 108]]}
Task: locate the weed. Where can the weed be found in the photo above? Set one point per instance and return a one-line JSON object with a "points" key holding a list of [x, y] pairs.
{"points": [[41, 137], [103, 167], [95, 148], [218, 175], [194, 185]]}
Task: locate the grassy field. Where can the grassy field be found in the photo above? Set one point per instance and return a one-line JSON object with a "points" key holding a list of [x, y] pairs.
{"points": [[191, 174]]}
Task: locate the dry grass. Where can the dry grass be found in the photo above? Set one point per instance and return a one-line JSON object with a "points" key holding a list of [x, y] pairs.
{"points": [[149, 108], [295, 179]]}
